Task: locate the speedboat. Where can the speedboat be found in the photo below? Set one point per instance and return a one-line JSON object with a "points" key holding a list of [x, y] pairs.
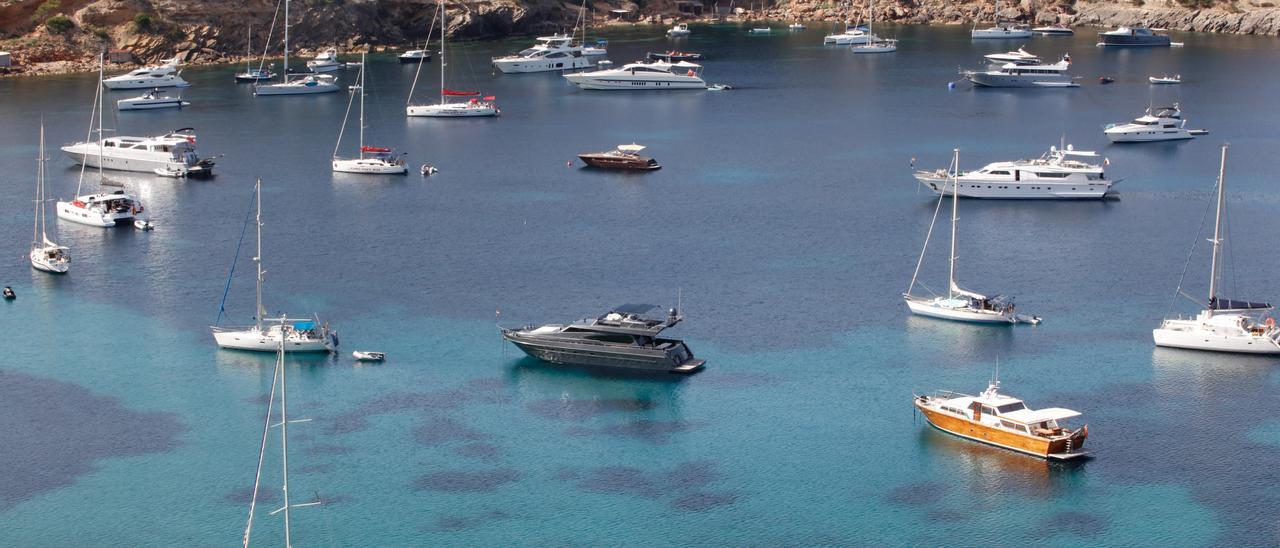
{"points": [[1004, 421], [681, 29], [674, 56], [1058, 174], [1001, 31], [555, 52], [1166, 79], [102, 209], [1013, 75], [1158, 124], [368, 356], [851, 36], [642, 76], [621, 338], [151, 100], [325, 61], [172, 152], [1019, 56], [415, 56], [626, 157], [1225, 325], [164, 75], [1133, 37], [1053, 31]]}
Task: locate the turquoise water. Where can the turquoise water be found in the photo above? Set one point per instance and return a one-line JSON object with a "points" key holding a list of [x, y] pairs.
{"points": [[785, 216]]}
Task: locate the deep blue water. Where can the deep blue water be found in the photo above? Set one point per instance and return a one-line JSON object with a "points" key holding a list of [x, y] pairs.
{"points": [[786, 217]]}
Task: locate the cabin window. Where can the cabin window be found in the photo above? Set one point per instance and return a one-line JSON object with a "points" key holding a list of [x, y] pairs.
{"points": [[1052, 175], [1008, 425], [1011, 407], [999, 172], [988, 411]]}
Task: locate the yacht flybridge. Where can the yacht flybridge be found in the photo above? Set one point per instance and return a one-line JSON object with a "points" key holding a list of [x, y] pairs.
{"points": [[959, 304], [372, 160], [1004, 421], [472, 105], [325, 61], [552, 53], [1019, 56], [1225, 325], [642, 76], [621, 338], [172, 154], [301, 84], [164, 75], [1060, 174], [298, 336], [45, 255], [1013, 75], [1158, 124]]}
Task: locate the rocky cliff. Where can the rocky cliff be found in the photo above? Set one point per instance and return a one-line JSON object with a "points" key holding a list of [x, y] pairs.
{"points": [[64, 35]]}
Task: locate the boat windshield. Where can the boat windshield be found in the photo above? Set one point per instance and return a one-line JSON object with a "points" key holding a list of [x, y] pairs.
{"points": [[1011, 407]]}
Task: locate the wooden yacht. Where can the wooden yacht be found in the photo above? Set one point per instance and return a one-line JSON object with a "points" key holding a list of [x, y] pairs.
{"points": [[623, 157], [1003, 421]]}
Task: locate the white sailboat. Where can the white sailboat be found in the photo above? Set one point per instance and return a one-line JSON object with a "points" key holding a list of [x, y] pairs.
{"points": [[372, 160], [959, 304], [473, 106], [1225, 325], [299, 336], [278, 378], [259, 74], [101, 209], [1000, 30], [46, 255], [877, 45], [303, 84]]}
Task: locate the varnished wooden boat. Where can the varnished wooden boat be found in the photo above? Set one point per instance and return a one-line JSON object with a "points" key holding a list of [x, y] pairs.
{"points": [[1004, 421], [624, 157]]}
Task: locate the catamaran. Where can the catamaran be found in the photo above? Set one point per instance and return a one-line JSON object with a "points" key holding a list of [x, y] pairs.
{"points": [[473, 106], [45, 254], [960, 304], [1225, 325], [302, 85], [372, 160], [299, 336]]}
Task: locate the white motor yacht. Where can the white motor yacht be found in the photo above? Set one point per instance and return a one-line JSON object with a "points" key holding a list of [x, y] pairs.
{"points": [[1060, 174], [301, 84], [415, 56], [642, 76], [1226, 325], [45, 255], [172, 154], [852, 36], [298, 336], [959, 304], [151, 100], [372, 160], [1055, 30], [103, 209], [164, 75], [325, 61], [552, 53], [1158, 124], [1013, 75], [473, 104], [681, 29], [1019, 56], [1000, 32]]}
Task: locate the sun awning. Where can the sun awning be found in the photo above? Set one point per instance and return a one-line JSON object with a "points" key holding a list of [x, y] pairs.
{"points": [[1028, 416], [453, 93], [1218, 303], [367, 148]]}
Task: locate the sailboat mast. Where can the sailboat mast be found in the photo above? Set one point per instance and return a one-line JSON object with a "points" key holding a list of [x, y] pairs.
{"points": [[442, 37], [955, 201], [1217, 231], [102, 105], [257, 259], [362, 66], [248, 52], [286, 40], [284, 436]]}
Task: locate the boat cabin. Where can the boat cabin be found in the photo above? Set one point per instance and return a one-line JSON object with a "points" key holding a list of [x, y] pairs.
{"points": [[1009, 413]]}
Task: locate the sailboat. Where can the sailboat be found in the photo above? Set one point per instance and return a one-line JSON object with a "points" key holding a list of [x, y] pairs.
{"points": [[251, 74], [960, 304], [379, 160], [102, 209], [876, 45], [1000, 30], [278, 378], [300, 336], [45, 254], [1225, 325], [302, 85], [474, 106]]}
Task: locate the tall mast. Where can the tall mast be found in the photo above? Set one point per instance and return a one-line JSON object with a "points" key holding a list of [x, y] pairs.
{"points": [[102, 105], [248, 52], [362, 66], [955, 201], [442, 31], [1217, 230], [284, 436], [286, 40], [36, 224], [257, 259]]}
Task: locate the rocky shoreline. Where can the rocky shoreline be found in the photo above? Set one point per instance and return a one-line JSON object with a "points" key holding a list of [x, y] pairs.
{"points": [[203, 32]]}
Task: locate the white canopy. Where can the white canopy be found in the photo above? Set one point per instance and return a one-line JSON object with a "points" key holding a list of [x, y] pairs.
{"points": [[1027, 416], [631, 148]]}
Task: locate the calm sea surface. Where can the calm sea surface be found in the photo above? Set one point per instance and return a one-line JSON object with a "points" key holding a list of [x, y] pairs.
{"points": [[786, 216]]}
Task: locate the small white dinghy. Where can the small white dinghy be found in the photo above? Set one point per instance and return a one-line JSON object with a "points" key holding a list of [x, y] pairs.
{"points": [[143, 224], [1166, 79], [760, 30], [151, 100], [369, 356]]}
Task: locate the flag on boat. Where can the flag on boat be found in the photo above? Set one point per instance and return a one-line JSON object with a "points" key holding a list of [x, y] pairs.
{"points": [[452, 93]]}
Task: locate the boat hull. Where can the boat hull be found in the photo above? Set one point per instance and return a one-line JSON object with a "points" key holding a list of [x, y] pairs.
{"points": [[451, 110], [408, 60], [678, 359], [39, 261], [521, 65], [1002, 80], [257, 341], [605, 161], [1214, 342], [1018, 190], [999, 34], [927, 308], [145, 83], [1064, 448], [124, 104], [1125, 40], [87, 154], [67, 211], [622, 83], [369, 166], [1053, 31], [1148, 136], [295, 89]]}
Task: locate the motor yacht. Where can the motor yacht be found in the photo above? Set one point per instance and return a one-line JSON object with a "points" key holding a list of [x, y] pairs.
{"points": [[1225, 325], [164, 75], [1060, 174], [642, 76], [103, 209], [1004, 421], [552, 53], [1013, 75], [325, 61], [681, 29], [1158, 124], [1165, 80], [1133, 37], [1053, 31], [621, 338], [674, 56], [625, 157], [415, 56], [171, 153], [852, 36], [1019, 56], [151, 100], [1003, 31]]}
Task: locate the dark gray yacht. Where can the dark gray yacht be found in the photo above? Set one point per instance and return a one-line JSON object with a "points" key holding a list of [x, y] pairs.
{"points": [[622, 338]]}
